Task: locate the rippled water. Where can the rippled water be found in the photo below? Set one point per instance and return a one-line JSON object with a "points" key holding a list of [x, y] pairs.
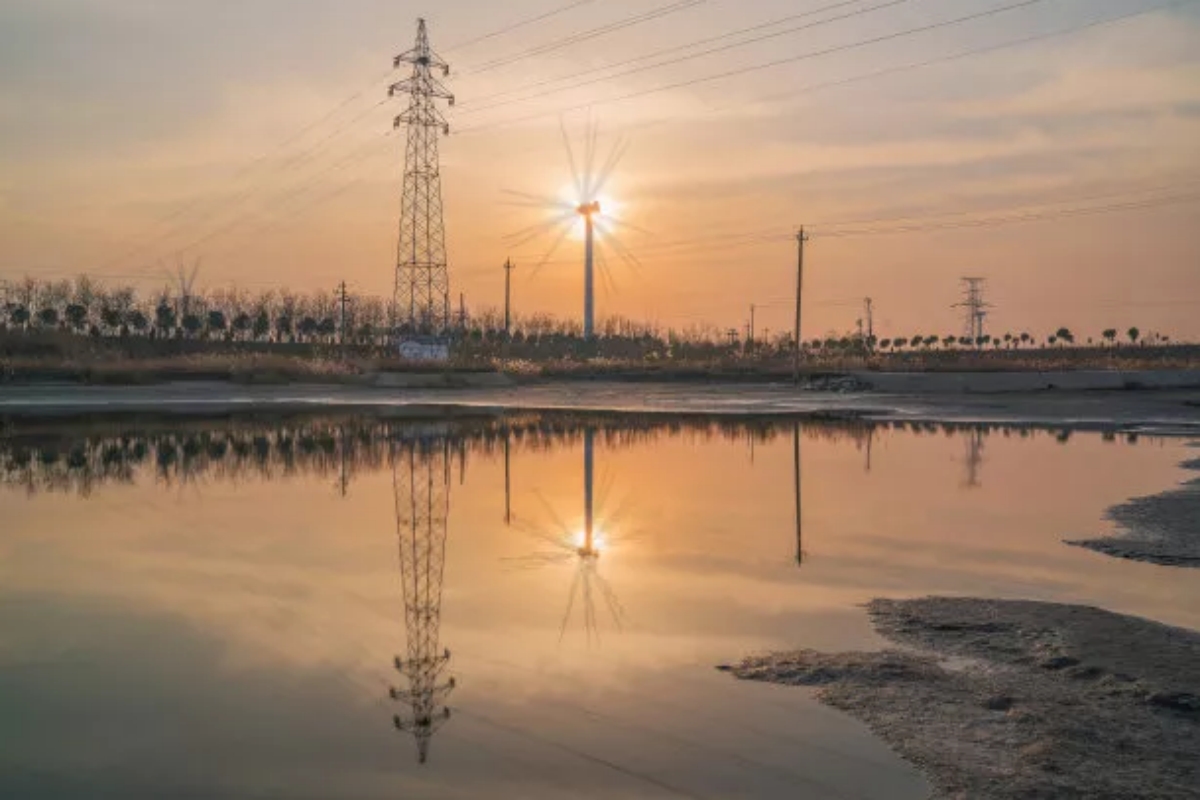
{"points": [[218, 610]]}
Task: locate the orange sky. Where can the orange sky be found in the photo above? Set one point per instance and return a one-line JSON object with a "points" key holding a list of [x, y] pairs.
{"points": [[134, 137]]}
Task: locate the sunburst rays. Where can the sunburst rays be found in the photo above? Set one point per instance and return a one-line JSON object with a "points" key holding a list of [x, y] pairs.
{"points": [[586, 208]]}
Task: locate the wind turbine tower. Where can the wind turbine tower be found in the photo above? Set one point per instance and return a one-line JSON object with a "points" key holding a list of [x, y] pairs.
{"points": [[422, 294], [587, 210]]}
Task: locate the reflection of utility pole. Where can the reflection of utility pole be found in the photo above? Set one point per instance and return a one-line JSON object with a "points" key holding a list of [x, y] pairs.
{"points": [[870, 440], [974, 458], [420, 485], [507, 483], [800, 554], [344, 479]]}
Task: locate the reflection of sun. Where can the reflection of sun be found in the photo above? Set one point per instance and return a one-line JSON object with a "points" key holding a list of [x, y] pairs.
{"points": [[580, 542]]}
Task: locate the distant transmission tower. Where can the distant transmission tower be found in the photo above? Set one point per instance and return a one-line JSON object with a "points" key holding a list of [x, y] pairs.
{"points": [[422, 294], [421, 486], [974, 309]]}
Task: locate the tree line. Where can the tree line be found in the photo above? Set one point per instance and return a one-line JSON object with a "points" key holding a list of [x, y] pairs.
{"points": [[87, 307]]}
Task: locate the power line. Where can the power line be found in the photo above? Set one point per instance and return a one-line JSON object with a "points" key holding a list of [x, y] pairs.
{"points": [[766, 65], [705, 53], [666, 51], [518, 25], [304, 130], [918, 65], [583, 36], [990, 222]]}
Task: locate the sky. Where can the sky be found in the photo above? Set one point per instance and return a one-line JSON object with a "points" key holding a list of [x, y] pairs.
{"points": [[1051, 147]]}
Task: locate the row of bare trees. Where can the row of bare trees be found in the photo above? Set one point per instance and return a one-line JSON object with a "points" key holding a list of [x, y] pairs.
{"points": [[87, 307]]}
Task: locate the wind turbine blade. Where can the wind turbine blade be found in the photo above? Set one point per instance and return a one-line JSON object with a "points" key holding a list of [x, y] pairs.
{"points": [[579, 188]]}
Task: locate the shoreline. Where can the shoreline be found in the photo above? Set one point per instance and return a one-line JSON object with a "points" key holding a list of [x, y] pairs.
{"points": [[1161, 529], [1002, 699], [1165, 412]]}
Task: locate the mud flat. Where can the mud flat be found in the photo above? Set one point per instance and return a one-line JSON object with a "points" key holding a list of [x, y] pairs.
{"points": [[1161, 529], [1018, 699]]}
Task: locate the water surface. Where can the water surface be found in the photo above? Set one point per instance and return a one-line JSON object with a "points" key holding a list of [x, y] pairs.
{"points": [[218, 609]]}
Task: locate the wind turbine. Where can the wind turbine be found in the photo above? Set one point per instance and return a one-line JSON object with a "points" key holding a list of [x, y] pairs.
{"points": [[588, 205]]}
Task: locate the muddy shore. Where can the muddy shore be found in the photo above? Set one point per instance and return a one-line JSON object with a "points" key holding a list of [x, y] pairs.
{"points": [[1160, 529], [1016, 699]]}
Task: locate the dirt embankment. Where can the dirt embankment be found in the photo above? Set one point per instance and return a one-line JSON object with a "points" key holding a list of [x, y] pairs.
{"points": [[1160, 529], [1017, 699]]}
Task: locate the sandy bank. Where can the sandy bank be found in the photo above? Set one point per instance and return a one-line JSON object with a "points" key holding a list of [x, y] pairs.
{"points": [[1161, 529], [1016, 699]]}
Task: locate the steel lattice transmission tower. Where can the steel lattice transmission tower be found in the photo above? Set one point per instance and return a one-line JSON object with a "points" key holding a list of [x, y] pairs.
{"points": [[974, 309], [422, 294], [421, 485]]}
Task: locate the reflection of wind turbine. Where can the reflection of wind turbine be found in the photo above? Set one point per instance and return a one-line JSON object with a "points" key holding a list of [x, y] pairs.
{"points": [[588, 205], [421, 486], [584, 547]]}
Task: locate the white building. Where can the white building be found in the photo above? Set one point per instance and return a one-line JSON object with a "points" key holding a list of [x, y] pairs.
{"points": [[423, 348]]}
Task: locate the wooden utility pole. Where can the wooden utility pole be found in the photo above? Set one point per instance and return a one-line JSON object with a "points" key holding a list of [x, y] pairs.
{"points": [[801, 238], [508, 268]]}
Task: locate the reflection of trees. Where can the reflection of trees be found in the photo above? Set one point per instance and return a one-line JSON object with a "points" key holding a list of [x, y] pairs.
{"points": [[56, 460]]}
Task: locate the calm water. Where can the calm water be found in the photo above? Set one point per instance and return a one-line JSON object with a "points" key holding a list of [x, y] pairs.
{"points": [[218, 611]]}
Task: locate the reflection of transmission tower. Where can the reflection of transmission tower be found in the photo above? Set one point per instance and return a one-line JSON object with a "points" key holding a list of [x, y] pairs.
{"points": [[420, 483], [422, 293], [974, 309]]}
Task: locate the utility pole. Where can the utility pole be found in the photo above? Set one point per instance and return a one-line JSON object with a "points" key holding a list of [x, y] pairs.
{"points": [[869, 309], [801, 238], [422, 295], [750, 338], [342, 300], [508, 268], [462, 312]]}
